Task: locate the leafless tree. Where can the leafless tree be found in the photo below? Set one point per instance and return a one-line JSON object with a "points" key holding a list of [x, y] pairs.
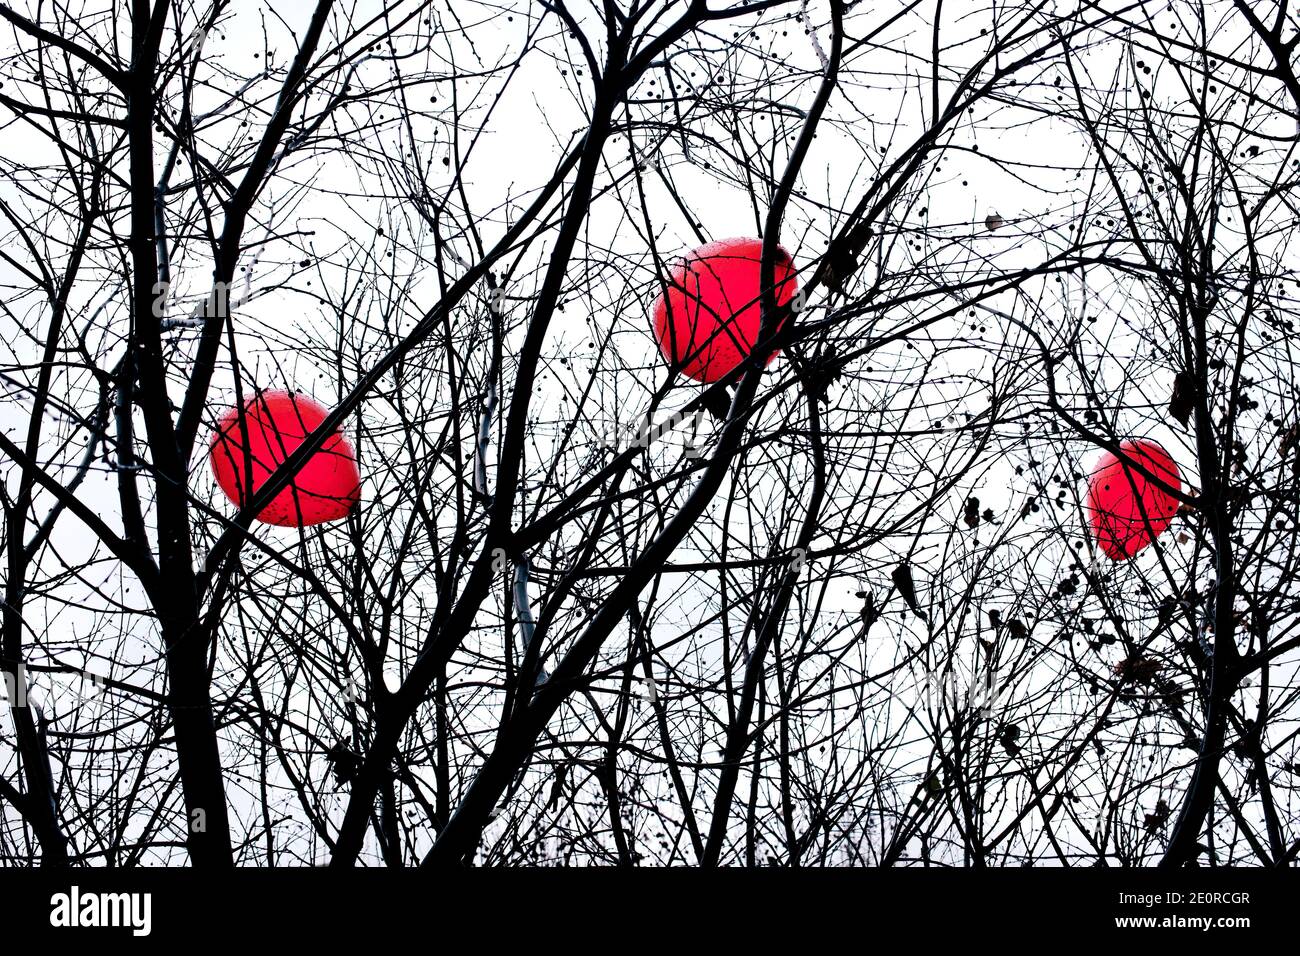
{"points": [[838, 610]]}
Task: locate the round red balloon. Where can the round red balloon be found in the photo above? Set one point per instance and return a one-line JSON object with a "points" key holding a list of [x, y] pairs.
{"points": [[1127, 510], [327, 487], [708, 318]]}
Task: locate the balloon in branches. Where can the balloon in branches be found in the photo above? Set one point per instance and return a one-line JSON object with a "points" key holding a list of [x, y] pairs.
{"points": [[1128, 510], [275, 423], [708, 318]]}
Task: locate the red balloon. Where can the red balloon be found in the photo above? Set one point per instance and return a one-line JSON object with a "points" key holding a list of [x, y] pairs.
{"points": [[707, 320], [327, 487], [1127, 510]]}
